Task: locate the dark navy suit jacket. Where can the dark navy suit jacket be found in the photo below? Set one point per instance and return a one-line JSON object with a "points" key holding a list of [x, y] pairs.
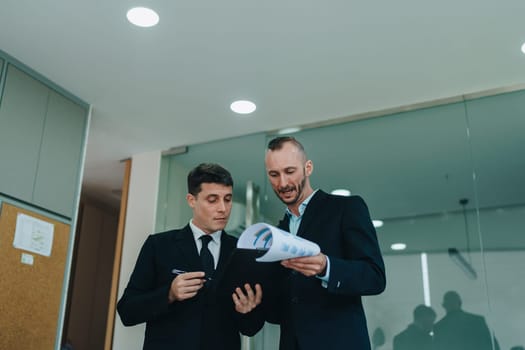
{"points": [[315, 317], [204, 322]]}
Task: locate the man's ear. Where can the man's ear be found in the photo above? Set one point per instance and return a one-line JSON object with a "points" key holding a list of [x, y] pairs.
{"points": [[308, 167], [190, 199]]}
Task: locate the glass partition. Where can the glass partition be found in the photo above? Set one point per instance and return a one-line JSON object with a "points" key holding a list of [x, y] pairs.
{"points": [[446, 181], [497, 126]]}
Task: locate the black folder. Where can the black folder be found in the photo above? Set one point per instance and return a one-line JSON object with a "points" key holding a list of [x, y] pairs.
{"points": [[242, 268]]}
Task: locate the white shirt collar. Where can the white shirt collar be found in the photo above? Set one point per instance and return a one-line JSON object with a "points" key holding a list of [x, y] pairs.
{"points": [[302, 206], [197, 233]]}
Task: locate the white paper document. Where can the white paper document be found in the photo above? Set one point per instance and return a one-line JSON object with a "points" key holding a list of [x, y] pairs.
{"points": [[33, 235], [279, 244]]}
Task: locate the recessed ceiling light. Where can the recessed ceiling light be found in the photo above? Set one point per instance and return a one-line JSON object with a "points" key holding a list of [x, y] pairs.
{"points": [[243, 107], [142, 17], [341, 192], [377, 223], [398, 246], [288, 130], [523, 48]]}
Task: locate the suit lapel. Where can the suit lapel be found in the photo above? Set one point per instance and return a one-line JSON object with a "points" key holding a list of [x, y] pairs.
{"points": [[227, 247], [186, 247], [186, 250], [314, 207], [284, 224]]}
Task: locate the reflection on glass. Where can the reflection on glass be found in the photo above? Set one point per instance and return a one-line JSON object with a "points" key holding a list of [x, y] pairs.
{"points": [[460, 330], [418, 334], [413, 168]]}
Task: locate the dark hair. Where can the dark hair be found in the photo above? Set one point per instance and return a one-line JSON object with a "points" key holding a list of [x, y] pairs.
{"points": [[278, 142], [452, 297], [208, 173], [422, 311]]}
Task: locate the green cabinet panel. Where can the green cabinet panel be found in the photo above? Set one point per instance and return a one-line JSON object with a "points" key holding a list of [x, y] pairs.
{"points": [[22, 114], [58, 169], [41, 143]]}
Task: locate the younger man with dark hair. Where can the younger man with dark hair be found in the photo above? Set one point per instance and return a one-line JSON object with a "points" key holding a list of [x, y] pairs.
{"points": [[181, 309]]}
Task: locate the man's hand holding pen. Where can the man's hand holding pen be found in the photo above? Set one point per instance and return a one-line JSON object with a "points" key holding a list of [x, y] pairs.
{"points": [[186, 285]]}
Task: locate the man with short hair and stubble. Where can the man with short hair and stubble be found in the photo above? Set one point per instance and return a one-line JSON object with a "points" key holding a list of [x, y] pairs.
{"points": [[320, 306], [172, 289]]}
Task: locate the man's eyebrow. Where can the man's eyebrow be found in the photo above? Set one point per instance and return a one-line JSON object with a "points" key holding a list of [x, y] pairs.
{"points": [[214, 195]]}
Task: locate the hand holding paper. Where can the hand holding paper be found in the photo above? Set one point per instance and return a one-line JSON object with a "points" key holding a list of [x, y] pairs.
{"points": [[279, 244]]}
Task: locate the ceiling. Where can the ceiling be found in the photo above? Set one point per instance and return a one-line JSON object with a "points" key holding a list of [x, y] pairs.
{"points": [[301, 62]]}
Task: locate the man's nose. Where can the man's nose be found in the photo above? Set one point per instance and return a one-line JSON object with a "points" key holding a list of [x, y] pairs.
{"points": [[283, 180]]}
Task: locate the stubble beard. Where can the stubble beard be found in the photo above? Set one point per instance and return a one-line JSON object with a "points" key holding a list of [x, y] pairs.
{"points": [[298, 189]]}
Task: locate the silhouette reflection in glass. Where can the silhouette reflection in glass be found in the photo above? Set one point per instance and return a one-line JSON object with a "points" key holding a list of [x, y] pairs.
{"points": [[378, 338], [417, 336], [460, 330]]}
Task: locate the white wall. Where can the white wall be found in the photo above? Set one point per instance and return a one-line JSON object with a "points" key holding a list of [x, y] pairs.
{"points": [[140, 222]]}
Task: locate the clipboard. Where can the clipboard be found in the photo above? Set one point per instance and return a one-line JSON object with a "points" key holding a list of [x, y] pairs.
{"points": [[242, 268]]}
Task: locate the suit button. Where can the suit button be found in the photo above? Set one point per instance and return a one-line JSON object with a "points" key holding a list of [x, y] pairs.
{"points": [[295, 300]]}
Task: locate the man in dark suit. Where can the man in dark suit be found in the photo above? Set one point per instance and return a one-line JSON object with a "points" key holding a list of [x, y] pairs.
{"points": [[320, 307], [460, 330], [183, 310], [417, 335]]}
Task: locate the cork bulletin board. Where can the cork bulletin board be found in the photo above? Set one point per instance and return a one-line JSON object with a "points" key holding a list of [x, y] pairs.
{"points": [[30, 284]]}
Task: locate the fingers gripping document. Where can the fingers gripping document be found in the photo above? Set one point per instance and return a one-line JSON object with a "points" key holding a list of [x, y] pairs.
{"points": [[277, 243], [256, 259]]}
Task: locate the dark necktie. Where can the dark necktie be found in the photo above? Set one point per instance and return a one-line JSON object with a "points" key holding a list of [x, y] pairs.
{"points": [[206, 257]]}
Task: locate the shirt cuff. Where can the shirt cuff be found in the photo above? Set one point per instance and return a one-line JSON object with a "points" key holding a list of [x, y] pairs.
{"points": [[326, 277]]}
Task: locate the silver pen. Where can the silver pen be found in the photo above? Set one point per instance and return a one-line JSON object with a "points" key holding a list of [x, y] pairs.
{"points": [[179, 272]]}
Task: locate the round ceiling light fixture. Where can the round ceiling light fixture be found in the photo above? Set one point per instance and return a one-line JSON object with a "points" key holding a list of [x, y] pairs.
{"points": [[398, 246], [143, 17], [289, 130], [378, 223], [523, 48], [243, 107], [341, 192]]}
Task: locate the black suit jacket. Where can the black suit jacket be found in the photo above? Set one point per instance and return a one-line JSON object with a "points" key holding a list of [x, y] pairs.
{"points": [[206, 321], [315, 317], [460, 330], [413, 338]]}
